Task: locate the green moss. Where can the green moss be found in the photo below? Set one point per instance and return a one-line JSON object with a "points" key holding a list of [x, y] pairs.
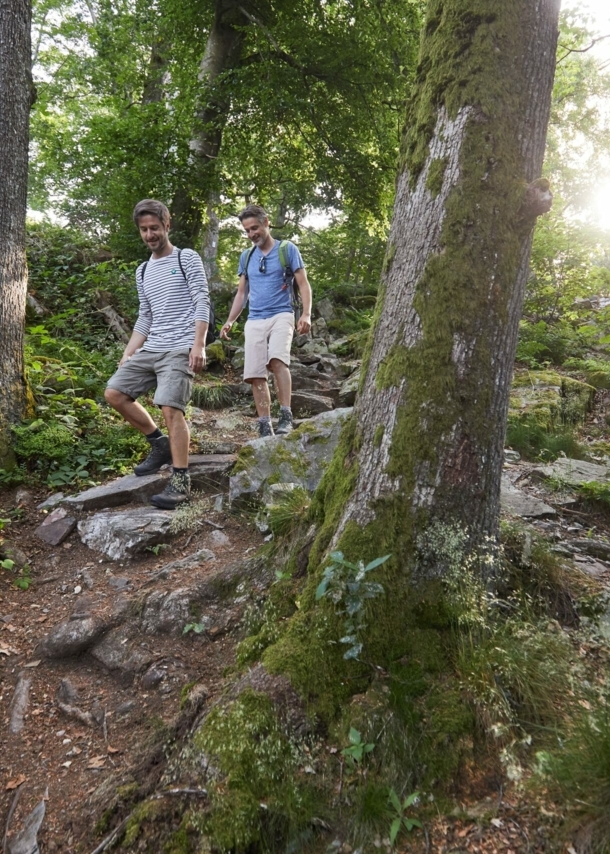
{"points": [[259, 763], [245, 459], [549, 400], [300, 431], [144, 812], [282, 455], [184, 693], [378, 437], [390, 252], [436, 173], [215, 352]]}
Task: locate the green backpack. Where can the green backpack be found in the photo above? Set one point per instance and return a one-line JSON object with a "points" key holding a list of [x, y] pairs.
{"points": [[288, 281]]}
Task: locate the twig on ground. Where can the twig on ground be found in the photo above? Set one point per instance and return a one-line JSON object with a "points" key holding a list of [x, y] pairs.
{"points": [[76, 713], [214, 525]]}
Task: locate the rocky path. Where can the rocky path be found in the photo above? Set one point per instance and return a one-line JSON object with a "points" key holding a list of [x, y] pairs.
{"points": [[97, 670]]}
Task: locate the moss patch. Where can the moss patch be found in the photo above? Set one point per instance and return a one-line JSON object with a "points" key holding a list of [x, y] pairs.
{"points": [[436, 173]]}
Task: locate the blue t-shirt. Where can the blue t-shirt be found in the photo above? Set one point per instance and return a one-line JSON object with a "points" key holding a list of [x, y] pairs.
{"points": [[268, 296]]}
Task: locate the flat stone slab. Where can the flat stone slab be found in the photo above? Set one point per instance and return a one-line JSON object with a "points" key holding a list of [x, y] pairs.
{"points": [[305, 404], [518, 503], [206, 470], [122, 535], [575, 472], [56, 527]]}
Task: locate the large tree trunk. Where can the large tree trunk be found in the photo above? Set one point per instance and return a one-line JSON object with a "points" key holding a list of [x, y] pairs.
{"points": [[422, 458], [15, 100], [222, 52]]}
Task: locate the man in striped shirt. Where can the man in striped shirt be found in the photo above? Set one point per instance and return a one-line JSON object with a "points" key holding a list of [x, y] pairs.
{"points": [[166, 349]]}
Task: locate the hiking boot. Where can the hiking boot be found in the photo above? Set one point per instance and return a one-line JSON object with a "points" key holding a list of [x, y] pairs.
{"points": [[284, 424], [177, 491], [160, 455], [265, 429]]}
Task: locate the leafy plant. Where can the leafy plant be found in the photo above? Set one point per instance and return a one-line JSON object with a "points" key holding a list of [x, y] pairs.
{"points": [[401, 820], [346, 585], [196, 628], [357, 749]]}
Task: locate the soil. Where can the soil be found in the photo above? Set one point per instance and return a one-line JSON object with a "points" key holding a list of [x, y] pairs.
{"points": [[65, 762]]}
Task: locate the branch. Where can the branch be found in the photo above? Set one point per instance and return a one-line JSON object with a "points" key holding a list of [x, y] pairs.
{"points": [[569, 50]]}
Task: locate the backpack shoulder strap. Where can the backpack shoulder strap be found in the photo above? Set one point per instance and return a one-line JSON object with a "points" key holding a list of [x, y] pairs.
{"points": [[180, 264], [250, 254], [284, 253], [142, 271]]}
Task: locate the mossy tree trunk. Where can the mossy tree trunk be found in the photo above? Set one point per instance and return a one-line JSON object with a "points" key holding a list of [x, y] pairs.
{"points": [[424, 450], [15, 100]]}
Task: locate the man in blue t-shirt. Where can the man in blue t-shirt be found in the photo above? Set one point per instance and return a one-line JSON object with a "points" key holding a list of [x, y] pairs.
{"points": [[270, 325]]}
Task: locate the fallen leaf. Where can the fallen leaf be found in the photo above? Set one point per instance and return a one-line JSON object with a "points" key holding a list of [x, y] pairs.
{"points": [[14, 784], [33, 663], [585, 704], [66, 764], [96, 762], [497, 822], [113, 749]]}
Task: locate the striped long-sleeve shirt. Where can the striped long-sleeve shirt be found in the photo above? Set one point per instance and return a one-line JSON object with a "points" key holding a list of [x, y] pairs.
{"points": [[169, 305]]}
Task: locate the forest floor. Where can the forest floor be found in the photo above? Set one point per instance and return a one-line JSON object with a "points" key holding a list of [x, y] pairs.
{"points": [[64, 761]]}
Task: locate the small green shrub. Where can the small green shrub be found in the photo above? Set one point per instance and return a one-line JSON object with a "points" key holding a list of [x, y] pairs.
{"points": [[535, 443]]}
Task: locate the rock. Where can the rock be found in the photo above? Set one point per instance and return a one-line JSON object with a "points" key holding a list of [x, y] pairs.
{"points": [[349, 389], [19, 703], [314, 347], [116, 654], [308, 358], [345, 369], [516, 502], [191, 561], [119, 583], [168, 613], [215, 353], [10, 552], [511, 456], [319, 329], [23, 496], [121, 535], [153, 677], [51, 501], [123, 490], [26, 841], [595, 548], [304, 404], [300, 340], [309, 383], [575, 472], [57, 527], [237, 360], [298, 458], [549, 399], [125, 708], [330, 365], [67, 693], [591, 566], [72, 637], [325, 309], [209, 472], [219, 539]]}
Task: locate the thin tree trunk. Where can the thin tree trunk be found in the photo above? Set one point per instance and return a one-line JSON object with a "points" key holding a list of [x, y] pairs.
{"points": [[153, 92], [16, 95], [222, 52]]}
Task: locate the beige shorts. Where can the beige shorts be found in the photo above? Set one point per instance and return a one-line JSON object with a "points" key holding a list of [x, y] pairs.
{"points": [[267, 339], [168, 373]]}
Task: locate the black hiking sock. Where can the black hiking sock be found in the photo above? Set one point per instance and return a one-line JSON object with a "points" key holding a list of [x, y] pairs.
{"points": [[179, 471], [285, 410], [264, 419], [156, 434]]}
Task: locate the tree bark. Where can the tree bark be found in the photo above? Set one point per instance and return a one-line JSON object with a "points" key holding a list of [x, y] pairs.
{"points": [[16, 95], [419, 465], [222, 52]]}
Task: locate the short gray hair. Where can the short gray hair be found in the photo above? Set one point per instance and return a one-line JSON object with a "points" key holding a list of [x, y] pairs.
{"points": [[253, 211]]}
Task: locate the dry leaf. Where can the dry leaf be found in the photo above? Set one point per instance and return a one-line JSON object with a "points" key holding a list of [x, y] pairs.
{"points": [[33, 663], [113, 749], [14, 784], [96, 762]]}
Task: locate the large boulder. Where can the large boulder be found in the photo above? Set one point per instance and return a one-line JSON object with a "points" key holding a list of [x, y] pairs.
{"points": [[122, 535], [300, 457], [549, 399]]}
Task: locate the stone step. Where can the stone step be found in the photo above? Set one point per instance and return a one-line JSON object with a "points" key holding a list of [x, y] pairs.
{"points": [[209, 472]]}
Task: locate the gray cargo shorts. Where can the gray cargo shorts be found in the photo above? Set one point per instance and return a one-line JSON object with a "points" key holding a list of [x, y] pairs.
{"points": [[168, 373]]}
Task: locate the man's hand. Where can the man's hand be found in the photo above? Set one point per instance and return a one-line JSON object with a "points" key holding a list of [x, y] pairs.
{"points": [[197, 359], [304, 324], [224, 332]]}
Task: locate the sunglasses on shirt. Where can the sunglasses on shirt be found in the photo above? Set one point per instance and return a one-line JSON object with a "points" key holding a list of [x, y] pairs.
{"points": [[262, 264]]}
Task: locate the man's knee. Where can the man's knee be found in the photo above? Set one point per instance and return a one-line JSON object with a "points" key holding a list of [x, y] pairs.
{"points": [[172, 413], [277, 366], [116, 398]]}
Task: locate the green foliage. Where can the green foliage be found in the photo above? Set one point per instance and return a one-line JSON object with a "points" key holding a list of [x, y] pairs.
{"points": [[196, 628], [535, 443], [401, 820], [211, 395], [357, 749], [345, 584], [289, 512]]}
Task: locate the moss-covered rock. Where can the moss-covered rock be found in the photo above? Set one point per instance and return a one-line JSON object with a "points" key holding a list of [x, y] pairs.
{"points": [[549, 400]]}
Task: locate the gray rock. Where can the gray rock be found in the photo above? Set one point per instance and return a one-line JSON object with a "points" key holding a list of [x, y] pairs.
{"points": [[309, 383], [349, 389], [319, 329], [595, 548], [51, 501], [219, 539], [153, 677], [23, 496], [299, 458], [209, 472], [575, 472], [238, 358], [72, 637], [191, 561], [325, 309], [345, 369], [67, 693], [125, 708], [11, 552], [123, 490], [19, 703], [168, 613], [300, 340], [26, 841], [119, 583], [121, 535], [591, 566], [305, 404], [330, 365], [516, 502], [57, 527], [118, 652], [314, 347]]}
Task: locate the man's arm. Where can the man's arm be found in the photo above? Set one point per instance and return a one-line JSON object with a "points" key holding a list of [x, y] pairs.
{"points": [[197, 354], [236, 309], [198, 286], [135, 342], [304, 324]]}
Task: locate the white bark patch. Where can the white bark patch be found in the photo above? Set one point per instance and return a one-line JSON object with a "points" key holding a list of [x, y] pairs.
{"points": [[461, 353]]}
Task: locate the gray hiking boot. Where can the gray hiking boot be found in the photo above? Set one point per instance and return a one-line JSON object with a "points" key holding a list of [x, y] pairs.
{"points": [[284, 424], [160, 455], [265, 429], [177, 491]]}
